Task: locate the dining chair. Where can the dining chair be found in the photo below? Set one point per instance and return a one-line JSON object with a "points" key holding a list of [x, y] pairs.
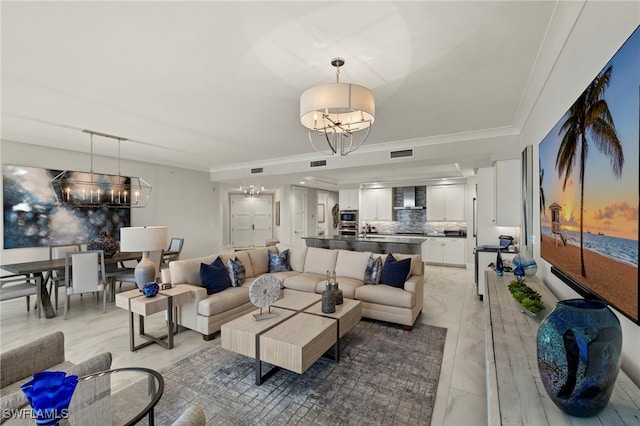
{"points": [[16, 286], [173, 252], [84, 273], [57, 277]]}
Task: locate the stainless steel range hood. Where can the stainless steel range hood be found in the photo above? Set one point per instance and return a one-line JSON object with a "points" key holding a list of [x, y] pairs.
{"points": [[409, 200]]}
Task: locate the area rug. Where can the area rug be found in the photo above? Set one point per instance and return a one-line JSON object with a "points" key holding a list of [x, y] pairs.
{"points": [[386, 376]]}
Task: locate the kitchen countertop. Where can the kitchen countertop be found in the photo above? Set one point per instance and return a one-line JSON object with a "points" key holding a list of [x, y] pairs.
{"points": [[376, 238]]}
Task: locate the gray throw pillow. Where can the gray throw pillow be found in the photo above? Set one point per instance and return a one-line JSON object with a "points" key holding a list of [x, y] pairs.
{"points": [[237, 272], [372, 273]]}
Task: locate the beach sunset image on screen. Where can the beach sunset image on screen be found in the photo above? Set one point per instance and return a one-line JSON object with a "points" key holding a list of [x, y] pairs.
{"points": [[589, 185]]}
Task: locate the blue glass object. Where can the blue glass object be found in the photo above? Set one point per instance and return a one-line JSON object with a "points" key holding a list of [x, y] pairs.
{"points": [[499, 265], [528, 262], [518, 271], [49, 394], [150, 289], [579, 348]]}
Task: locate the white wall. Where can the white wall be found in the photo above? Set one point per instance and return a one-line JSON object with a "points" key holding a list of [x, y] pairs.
{"points": [[601, 30], [182, 200]]}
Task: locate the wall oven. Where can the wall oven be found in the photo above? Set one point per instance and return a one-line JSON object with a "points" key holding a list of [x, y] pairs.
{"points": [[349, 216], [349, 223]]}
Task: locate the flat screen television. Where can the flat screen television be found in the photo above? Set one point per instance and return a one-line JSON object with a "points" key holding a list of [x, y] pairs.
{"points": [[589, 186]]}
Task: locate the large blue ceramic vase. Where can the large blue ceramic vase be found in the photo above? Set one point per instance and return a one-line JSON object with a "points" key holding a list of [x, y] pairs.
{"points": [[579, 352]]}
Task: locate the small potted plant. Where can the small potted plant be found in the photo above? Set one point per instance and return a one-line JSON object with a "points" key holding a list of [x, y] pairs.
{"points": [[530, 299]]}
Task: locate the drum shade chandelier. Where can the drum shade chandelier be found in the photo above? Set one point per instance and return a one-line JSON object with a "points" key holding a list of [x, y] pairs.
{"points": [[335, 112], [81, 189]]}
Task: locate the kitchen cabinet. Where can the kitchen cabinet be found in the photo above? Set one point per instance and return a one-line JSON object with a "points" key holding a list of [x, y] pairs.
{"points": [[445, 203], [349, 199], [444, 251], [508, 199], [376, 204]]}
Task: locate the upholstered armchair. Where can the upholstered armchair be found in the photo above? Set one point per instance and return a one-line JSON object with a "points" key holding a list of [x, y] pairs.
{"points": [[47, 353]]}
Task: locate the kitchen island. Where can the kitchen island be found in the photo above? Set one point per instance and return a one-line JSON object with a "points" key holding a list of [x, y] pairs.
{"points": [[386, 243]]}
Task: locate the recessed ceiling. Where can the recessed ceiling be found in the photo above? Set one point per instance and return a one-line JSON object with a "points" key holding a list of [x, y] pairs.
{"points": [[216, 85]]}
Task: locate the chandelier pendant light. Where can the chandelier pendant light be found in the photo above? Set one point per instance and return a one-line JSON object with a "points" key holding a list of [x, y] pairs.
{"points": [[81, 189], [335, 112], [251, 191]]}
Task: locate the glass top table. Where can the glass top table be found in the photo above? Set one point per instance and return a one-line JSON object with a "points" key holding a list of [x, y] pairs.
{"points": [[122, 396]]}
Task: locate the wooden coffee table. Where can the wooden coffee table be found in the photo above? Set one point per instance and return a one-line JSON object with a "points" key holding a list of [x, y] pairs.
{"points": [[296, 338]]}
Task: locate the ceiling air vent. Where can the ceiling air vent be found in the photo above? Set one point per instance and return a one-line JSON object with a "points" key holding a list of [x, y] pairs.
{"points": [[403, 153], [319, 163], [257, 170]]}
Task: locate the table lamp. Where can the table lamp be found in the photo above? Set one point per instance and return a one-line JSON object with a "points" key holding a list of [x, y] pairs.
{"points": [[144, 239]]}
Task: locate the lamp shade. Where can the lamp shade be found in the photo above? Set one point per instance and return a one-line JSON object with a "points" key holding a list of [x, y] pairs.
{"points": [[349, 104], [143, 238]]}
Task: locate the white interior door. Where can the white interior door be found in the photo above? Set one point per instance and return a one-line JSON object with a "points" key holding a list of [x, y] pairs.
{"points": [[250, 221], [261, 220], [240, 221], [299, 216]]}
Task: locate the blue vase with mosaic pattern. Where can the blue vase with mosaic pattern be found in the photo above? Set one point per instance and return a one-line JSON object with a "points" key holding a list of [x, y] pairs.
{"points": [[579, 352]]}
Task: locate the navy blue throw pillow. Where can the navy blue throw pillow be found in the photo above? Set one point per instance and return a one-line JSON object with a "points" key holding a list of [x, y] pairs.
{"points": [[395, 272], [214, 277], [279, 262]]}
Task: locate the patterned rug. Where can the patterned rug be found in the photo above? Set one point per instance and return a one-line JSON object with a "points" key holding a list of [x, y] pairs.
{"points": [[386, 376]]}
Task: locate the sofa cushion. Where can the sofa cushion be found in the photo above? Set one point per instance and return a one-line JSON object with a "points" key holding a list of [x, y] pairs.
{"points": [[281, 276], [352, 264], [236, 271], [214, 277], [279, 262], [304, 282], [297, 256], [385, 295], [373, 270], [319, 261], [347, 285], [188, 271], [260, 260], [416, 262], [395, 272], [243, 255], [224, 301]]}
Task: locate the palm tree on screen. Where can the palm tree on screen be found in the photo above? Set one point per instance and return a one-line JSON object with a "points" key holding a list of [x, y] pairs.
{"points": [[588, 116]]}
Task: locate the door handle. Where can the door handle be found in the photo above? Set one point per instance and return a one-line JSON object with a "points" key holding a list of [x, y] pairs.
{"points": [[253, 227]]}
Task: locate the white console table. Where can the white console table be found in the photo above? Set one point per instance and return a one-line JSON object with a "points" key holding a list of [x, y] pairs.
{"points": [[515, 393]]}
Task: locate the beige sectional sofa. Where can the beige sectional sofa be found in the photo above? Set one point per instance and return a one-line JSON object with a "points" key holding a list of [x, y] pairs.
{"points": [[206, 313]]}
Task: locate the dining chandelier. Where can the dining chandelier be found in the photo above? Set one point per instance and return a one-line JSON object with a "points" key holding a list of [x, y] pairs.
{"points": [[251, 191], [335, 112], [81, 189]]}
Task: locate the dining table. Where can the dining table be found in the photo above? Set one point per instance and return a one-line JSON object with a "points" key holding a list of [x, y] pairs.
{"points": [[42, 269]]}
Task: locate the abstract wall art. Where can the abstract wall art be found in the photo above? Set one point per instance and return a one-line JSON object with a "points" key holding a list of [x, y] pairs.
{"points": [[34, 218]]}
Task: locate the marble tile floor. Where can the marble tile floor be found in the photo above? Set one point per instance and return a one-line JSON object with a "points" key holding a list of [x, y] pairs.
{"points": [[449, 301]]}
